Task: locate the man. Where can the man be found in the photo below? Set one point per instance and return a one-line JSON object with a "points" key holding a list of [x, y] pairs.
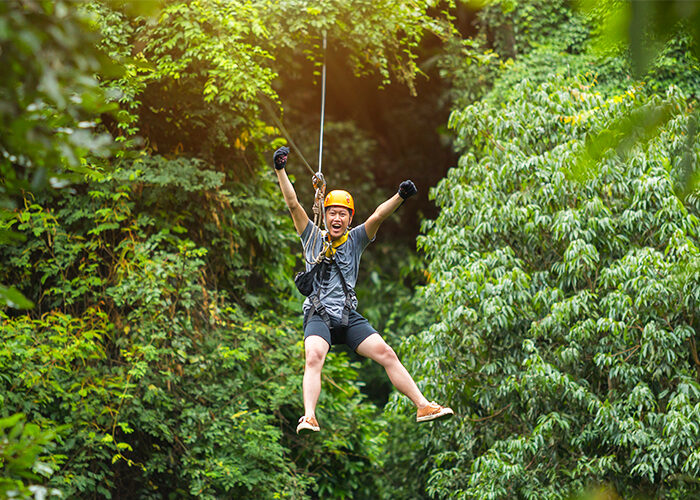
{"points": [[329, 311]]}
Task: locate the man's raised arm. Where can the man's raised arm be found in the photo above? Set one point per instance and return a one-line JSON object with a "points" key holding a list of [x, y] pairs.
{"points": [[299, 216], [406, 190]]}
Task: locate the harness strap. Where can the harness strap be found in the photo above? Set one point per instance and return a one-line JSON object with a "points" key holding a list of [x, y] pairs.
{"points": [[315, 298], [349, 294], [348, 291], [320, 309]]}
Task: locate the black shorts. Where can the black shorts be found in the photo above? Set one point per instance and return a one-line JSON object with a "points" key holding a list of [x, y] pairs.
{"points": [[358, 329]]}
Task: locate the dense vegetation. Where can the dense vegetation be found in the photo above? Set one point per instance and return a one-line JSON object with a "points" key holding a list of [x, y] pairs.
{"points": [[151, 331], [564, 274]]}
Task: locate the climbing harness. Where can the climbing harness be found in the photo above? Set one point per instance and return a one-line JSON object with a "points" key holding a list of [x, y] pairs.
{"points": [[305, 283], [305, 280], [327, 263], [349, 292]]}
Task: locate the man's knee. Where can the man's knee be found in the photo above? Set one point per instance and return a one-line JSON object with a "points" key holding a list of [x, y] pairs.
{"points": [[385, 355], [315, 357]]}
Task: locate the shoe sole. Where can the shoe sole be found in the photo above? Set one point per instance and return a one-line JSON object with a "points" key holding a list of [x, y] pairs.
{"points": [[305, 428], [445, 412]]}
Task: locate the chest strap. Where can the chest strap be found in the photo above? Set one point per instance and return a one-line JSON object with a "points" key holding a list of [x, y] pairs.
{"points": [[347, 290]]}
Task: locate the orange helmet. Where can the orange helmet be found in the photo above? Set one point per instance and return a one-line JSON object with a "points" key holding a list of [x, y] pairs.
{"points": [[339, 198]]}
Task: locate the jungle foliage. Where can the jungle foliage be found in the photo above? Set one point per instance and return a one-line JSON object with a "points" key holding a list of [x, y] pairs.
{"points": [[151, 342], [154, 350], [50, 103], [564, 273]]}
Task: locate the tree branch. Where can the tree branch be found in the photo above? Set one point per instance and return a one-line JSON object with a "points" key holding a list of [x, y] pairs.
{"points": [[491, 416]]}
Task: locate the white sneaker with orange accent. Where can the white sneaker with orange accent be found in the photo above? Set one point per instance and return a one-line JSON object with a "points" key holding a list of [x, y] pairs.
{"points": [[307, 424], [432, 411]]}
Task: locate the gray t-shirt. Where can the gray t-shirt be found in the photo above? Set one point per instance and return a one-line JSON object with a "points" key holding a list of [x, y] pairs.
{"points": [[347, 256]]}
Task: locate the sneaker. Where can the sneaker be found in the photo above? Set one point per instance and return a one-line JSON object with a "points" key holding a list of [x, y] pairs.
{"points": [[308, 424], [431, 411]]}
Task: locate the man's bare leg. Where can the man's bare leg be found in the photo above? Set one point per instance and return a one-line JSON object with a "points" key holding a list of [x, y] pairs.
{"points": [[316, 349], [375, 348]]}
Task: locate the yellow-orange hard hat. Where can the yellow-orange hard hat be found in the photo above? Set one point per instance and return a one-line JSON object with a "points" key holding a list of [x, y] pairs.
{"points": [[339, 198]]}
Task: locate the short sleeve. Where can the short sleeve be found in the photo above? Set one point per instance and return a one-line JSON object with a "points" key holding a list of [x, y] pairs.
{"points": [[306, 233], [360, 237]]}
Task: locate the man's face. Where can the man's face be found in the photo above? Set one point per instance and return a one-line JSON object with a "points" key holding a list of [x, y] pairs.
{"points": [[337, 220]]}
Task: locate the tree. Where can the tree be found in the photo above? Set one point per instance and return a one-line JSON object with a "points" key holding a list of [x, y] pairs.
{"points": [[566, 305], [208, 68], [50, 102]]}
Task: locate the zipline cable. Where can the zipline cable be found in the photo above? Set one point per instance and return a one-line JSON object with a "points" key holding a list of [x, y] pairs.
{"points": [[319, 182], [323, 105], [317, 179], [284, 131]]}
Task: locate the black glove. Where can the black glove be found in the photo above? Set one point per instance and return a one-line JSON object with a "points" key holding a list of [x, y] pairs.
{"points": [[279, 159], [407, 189]]}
